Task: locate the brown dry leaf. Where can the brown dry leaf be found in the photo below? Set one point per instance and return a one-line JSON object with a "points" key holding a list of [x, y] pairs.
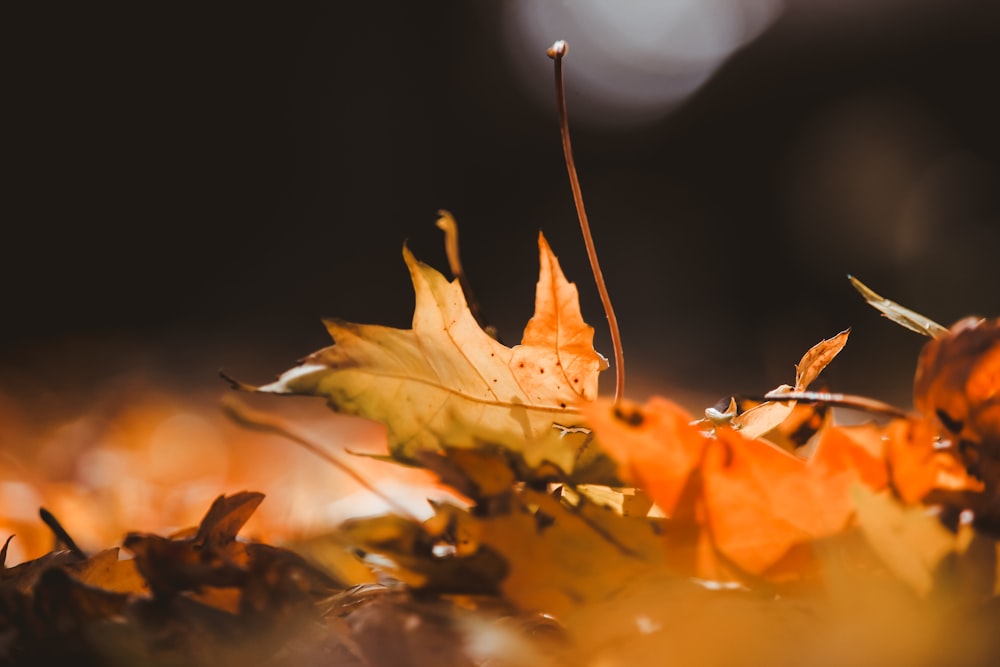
{"points": [[817, 358], [203, 598], [226, 517], [23, 576], [957, 387], [212, 557], [902, 316], [919, 466], [760, 419], [107, 571], [71, 605], [447, 383]]}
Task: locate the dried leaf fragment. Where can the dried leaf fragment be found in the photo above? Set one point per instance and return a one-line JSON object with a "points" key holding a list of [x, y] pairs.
{"points": [[957, 387], [762, 418], [902, 316], [212, 557]]}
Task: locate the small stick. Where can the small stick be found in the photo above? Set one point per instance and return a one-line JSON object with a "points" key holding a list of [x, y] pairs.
{"points": [[247, 417], [838, 400], [3, 553], [60, 533], [556, 52]]}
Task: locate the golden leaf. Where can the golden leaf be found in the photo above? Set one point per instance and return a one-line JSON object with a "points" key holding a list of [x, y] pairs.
{"points": [[446, 383], [762, 418]]}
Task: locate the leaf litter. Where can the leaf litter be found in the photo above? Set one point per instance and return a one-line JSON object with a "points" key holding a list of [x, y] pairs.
{"points": [[583, 530], [875, 530]]}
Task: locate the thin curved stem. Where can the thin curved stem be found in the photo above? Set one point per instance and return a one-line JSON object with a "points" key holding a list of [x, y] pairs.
{"points": [[556, 52]]}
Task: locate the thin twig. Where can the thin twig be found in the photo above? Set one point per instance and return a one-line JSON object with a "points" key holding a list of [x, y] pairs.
{"points": [[839, 401], [60, 533], [244, 415], [556, 52]]}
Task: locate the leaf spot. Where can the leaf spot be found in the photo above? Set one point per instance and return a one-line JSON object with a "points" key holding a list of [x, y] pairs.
{"points": [[950, 423], [633, 418], [543, 521]]}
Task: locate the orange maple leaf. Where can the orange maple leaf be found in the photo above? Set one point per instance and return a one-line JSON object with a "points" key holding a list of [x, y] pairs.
{"points": [[748, 504], [556, 340], [920, 466], [957, 388]]}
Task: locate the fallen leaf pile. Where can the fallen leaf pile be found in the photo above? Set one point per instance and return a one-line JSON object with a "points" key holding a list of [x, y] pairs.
{"points": [[193, 598], [579, 531]]}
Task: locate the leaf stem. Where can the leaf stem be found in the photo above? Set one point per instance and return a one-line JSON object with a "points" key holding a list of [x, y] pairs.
{"points": [[556, 52], [838, 401], [242, 414]]}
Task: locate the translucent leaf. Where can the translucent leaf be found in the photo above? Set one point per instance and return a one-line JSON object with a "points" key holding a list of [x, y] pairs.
{"points": [[902, 316], [446, 383]]}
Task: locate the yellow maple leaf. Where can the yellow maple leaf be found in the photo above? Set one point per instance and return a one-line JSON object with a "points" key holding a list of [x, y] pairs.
{"points": [[446, 383]]}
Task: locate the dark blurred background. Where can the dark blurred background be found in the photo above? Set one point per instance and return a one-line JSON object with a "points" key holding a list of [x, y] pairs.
{"points": [[193, 187]]}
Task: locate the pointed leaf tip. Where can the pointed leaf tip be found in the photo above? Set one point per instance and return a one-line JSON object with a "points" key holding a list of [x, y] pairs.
{"points": [[904, 317]]}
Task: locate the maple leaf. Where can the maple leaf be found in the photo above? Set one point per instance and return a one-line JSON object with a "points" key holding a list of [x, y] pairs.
{"points": [[747, 503], [921, 467], [957, 387], [446, 383]]}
